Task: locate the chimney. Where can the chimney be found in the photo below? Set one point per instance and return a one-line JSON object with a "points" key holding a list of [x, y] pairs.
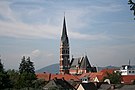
{"points": [[55, 78], [49, 76], [63, 78]]}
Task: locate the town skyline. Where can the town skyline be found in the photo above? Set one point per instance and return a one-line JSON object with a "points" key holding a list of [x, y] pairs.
{"points": [[104, 30]]}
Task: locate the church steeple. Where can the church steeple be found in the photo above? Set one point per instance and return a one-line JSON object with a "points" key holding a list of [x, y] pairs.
{"points": [[64, 51], [64, 37]]}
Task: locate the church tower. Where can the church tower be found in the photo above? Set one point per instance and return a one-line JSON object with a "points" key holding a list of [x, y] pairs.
{"points": [[64, 51]]}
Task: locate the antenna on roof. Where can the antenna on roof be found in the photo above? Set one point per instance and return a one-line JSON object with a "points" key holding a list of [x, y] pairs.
{"points": [[129, 62], [97, 67], [72, 56]]}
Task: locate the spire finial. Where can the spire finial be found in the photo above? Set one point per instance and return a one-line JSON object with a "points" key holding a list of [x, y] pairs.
{"points": [[85, 54], [64, 14]]}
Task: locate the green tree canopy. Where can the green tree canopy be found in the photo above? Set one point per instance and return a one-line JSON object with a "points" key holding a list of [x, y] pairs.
{"points": [[27, 73], [132, 5], [4, 78], [1, 67], [26, 66], [14, 77], [115, 77]]}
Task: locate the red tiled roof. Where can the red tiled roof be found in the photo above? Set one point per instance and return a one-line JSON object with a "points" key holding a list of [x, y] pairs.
{"points": [[104, 73], [100, 75], [84, 75], [94, 75], [108, 71], [49, 76], [67, 77], [128, 79], [44, 76], [91, 76]]}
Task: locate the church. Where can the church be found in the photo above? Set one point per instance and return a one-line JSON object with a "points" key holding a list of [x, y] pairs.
{"points": [[74, 66]]}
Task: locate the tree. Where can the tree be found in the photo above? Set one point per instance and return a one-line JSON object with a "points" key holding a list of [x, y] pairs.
{"points": [[30, 66], [1, 67], [132, 6], [115, 77], [26, 66], [22, 67], [39, 83], [4, 78], [14, 77], [27, 73]]}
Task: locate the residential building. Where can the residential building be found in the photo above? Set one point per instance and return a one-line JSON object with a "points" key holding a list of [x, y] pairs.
{"points": [[126, 70], [87, 86], [128, 79], [105, 87], [95, 76], [127, 87], [58, 84]]}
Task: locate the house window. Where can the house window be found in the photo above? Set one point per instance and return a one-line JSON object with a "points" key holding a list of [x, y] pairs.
{"points": [[66, 52], [63, 51]]}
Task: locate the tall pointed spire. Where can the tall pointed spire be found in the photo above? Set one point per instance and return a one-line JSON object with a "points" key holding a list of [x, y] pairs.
{"points": [[64, 37], [64, 50]]}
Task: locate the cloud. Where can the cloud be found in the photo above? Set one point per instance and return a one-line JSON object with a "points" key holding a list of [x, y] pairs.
{"points": [[86, 20], [35, 53], [38, 53], [50, 55], [16, 28], [6, 12], [22, 30], [76, 35]]}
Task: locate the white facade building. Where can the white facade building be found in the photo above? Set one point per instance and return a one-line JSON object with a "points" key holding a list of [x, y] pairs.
{"points": [[127, 70]]}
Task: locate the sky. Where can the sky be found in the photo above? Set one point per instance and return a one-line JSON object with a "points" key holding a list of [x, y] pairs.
{"points": [[104, 30]]}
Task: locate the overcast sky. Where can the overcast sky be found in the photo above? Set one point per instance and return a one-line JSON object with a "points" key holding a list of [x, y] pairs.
{"points": [[104, 30]]}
